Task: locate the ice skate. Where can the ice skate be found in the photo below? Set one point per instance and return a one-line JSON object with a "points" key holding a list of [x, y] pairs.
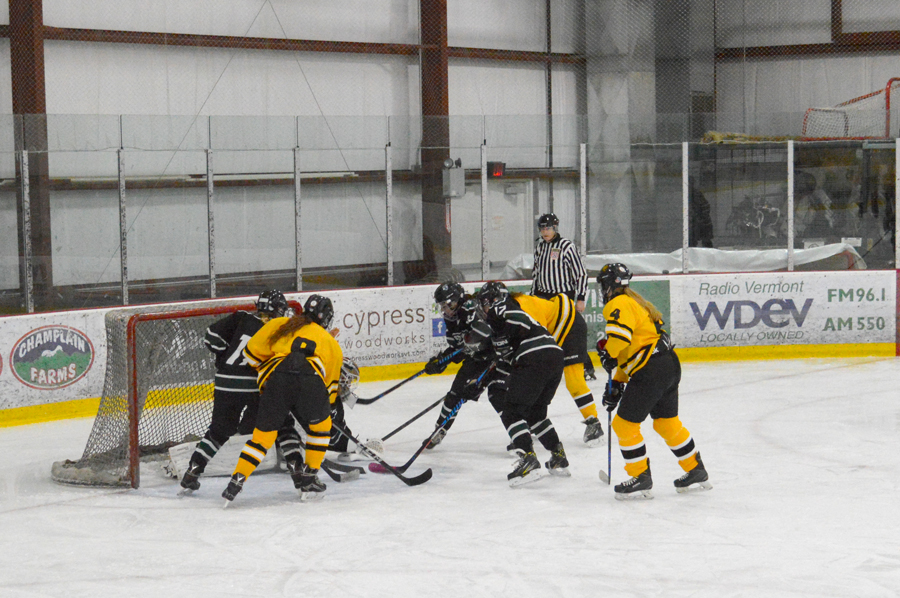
{"points": [[235, 485], [637, 487], [526, 470], [694, 480], [307, 483], [594, 431], [558, 465], [191, 480], [515, 452], [437, 438]]}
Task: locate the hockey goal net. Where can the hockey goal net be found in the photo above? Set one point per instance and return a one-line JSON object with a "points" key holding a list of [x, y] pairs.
{"points": [[157, 392], [875, 115]]}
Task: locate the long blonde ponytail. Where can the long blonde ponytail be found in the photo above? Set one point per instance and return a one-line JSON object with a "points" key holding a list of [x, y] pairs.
{"points": [[655, 314]]}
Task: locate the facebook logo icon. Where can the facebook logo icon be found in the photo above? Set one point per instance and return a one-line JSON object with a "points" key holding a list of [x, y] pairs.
{"points": [[438, 327]]}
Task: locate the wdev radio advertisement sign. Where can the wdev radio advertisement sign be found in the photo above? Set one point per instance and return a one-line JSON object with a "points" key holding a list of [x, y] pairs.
{"points": [[784, 308]]}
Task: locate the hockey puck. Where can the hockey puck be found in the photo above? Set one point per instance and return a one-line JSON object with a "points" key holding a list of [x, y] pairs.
{"points": [[378, 468]]}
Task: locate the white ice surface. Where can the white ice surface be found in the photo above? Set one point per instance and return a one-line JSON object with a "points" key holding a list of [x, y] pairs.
{"points": [[804, 456]]}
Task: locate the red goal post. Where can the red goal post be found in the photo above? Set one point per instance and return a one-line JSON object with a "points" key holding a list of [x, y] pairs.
{"points": [[875, 115], [157, 392]]}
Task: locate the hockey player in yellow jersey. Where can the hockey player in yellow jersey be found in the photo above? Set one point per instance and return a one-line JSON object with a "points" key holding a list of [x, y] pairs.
{"points": [[298, 363], [638, 351], [558, 315]]}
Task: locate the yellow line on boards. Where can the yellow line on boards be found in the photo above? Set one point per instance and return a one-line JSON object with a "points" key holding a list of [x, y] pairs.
{"points": [[785, 352], [19, 416]]}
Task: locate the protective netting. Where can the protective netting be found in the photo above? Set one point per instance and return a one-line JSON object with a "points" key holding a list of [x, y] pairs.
{"points": [[875, 115], [250, 102], [164, 369]]}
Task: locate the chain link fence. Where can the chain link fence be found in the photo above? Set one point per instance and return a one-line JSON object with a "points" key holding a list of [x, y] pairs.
{"points": [[210, 149]]}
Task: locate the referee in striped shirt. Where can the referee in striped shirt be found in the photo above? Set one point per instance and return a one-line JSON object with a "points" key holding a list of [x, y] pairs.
{"points": [[558, 270], [557, 265]]}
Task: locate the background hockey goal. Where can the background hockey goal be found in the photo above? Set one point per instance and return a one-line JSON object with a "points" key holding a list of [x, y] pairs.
{"points": [[875, 115], [157, 391]]}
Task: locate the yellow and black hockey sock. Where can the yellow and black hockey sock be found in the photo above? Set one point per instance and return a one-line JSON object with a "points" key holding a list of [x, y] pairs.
{"points": [[254, 451], [317, 443], [579, 390], [631, 443], [679, 440]]}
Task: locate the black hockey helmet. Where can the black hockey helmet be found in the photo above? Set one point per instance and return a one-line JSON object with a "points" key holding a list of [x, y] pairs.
{"points": [[612, 278], [548, 221], [449, 295], [491, 294], [272, 304], [320, 310]]}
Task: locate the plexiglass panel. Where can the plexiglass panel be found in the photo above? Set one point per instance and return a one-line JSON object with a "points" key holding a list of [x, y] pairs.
{"points": [[84, 220]]}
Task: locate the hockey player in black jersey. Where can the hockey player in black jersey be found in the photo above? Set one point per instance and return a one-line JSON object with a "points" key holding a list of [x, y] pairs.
{"points": [[528, 370], [235, 394], [460, 312]]}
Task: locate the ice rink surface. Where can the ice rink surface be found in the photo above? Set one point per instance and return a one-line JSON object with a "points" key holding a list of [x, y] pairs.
{"points": [[804, 456]]}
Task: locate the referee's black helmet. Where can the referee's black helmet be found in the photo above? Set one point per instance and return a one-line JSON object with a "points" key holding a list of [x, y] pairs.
{"points": [[548, 221]]}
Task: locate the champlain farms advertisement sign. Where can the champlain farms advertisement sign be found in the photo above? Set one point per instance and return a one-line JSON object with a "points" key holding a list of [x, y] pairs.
{"points": [[784, 308], [51, 357]]}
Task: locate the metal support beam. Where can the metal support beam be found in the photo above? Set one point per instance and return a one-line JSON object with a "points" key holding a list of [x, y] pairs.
{"points": [[26, 272], [790, 205], [123, 227], [896, 203], [389, 211], [298, 237], [211, 223], [485, 262], [685, 205], [582, 198]]}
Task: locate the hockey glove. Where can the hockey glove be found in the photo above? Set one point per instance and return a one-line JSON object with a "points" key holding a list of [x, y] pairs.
{"points": [[499, 378], [608, 362], [613, 394], [471, 391], [438, 363]]}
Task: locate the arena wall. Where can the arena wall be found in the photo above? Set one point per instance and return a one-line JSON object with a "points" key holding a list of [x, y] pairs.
{"points": [[390, 332]]}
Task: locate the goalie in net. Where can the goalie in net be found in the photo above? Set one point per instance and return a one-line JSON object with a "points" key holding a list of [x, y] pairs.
{"points": [[158, 390], [236, 394]]}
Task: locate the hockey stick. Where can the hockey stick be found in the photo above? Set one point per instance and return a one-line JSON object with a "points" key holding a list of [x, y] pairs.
{"points": [[375, 468], [605, 476], [341, 473], [340, 476], [442, 361], [341, 467], [413, 481], [414, 418], [608, 447]]}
